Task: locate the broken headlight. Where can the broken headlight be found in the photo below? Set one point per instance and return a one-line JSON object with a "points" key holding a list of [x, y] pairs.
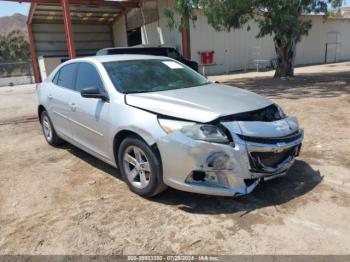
{"points": [[203, 132]]}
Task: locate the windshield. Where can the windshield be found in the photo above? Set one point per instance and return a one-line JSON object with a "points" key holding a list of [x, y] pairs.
{"points": [[139, 76]]}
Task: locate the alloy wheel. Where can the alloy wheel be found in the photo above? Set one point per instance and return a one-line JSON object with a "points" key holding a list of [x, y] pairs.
{"points": [[137, 167], [47, 128]]}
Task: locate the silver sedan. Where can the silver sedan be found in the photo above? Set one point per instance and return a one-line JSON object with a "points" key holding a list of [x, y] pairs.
{"points": [[164, 124]]}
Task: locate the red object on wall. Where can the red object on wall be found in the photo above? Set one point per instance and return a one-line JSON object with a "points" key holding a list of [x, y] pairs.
{"points": [[207, 58]]}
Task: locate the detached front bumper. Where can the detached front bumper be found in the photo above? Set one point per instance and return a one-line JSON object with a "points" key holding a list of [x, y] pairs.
{"points": [[224, 170]]}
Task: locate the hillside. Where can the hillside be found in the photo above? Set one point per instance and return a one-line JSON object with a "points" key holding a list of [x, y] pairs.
{"points": [[14, 22]]}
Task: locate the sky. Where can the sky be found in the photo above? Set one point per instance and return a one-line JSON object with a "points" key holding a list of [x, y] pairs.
{"points": [[8, 8]]}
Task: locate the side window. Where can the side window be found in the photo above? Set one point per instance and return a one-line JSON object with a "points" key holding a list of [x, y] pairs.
{"points": [[88, 77], [66, 76], [55, 78]]}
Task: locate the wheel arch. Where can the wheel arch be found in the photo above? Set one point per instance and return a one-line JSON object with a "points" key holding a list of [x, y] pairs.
{"points": [[122, 134], [41, 109]]}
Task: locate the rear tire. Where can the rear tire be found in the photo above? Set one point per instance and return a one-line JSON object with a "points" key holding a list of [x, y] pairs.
{"points": [[140, 167], [49, 131]]}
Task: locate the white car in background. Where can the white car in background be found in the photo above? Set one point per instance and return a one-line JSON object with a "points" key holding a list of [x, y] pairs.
{"points": [[163, 124]]}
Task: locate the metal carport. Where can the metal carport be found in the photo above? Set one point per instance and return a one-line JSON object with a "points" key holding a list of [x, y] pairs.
{"points": [[70, 28]]}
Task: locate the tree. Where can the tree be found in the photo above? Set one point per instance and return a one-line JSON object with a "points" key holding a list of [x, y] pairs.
{"points": [[281, 19], [13, 48]]}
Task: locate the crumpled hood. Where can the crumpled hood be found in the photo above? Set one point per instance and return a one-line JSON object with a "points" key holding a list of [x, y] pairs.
{"points": [[200, 104]]}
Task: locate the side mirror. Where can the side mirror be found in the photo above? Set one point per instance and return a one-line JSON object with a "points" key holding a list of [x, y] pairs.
{"points": [[93, 93]]}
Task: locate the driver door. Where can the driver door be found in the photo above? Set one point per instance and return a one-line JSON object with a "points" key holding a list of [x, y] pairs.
{"points": [[90, 116]]}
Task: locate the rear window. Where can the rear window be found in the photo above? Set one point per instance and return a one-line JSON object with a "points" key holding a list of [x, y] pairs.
{"points": [[153, 75]]}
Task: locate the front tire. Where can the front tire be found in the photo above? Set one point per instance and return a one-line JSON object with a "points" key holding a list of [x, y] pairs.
{"points": [[140, 167], [49, 131]]}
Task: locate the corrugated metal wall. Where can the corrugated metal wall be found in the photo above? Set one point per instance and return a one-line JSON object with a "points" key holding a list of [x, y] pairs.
{"points": [[151, 34], [333, 32], [145, 15], [119, 32], [171, 37], [237, 49], [88, 38], [233, 50]]}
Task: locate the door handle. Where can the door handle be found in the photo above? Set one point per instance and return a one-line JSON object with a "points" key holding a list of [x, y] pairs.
{"points": [[73, 106], [49, 96]]}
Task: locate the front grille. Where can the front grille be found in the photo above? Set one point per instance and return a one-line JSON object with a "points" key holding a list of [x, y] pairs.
{"points": [[270, 159], [272, 140]]}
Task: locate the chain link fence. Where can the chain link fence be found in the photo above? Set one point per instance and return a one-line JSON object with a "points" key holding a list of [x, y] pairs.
{"points": [[16, 73]]}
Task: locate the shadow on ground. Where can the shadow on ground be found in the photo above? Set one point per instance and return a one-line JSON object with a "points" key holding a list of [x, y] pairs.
{"points": [[311, 85], [300, 180], [91, 160]]}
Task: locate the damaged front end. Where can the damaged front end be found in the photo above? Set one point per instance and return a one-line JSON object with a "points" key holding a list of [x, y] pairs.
{"points": [[261, 144]]}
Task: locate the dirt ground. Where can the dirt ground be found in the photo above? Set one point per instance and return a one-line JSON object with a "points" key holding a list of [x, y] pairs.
{"points": [[63, 201]]}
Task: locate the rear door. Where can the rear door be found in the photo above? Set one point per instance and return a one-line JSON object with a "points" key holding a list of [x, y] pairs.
{"points": [[90, 115], [60, 95]]}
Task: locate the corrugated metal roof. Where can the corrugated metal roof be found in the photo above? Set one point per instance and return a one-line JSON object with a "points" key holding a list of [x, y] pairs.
{"points": [[79, 14]]}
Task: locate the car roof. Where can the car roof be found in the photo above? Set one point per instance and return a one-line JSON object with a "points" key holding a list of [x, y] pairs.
{"points": [[113, 58], [137, 47]]}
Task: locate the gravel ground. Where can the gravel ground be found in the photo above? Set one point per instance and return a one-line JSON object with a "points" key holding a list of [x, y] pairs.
{"points": [[63, 201]]}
